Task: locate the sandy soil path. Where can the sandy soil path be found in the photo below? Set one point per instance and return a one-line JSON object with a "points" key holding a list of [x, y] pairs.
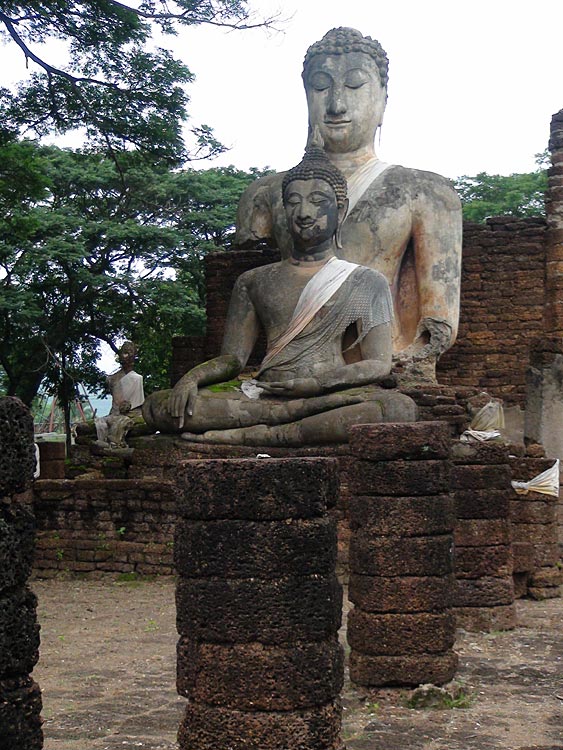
{"points": [[107, 672]]}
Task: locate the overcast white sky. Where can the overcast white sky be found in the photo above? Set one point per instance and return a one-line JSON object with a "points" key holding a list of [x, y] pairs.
{"points": [[472, 86]]}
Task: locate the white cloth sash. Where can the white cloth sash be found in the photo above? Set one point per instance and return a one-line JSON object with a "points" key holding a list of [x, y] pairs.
{"points": [[362, 178], [316, 293]]}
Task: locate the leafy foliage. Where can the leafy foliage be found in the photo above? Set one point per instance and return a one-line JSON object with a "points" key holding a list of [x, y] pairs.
{"points": [[113, 85], [90, 253], [486, 195]]}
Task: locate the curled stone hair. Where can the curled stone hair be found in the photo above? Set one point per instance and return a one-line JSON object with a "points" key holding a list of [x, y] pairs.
{"points": [[342, 40], [316, 165]]}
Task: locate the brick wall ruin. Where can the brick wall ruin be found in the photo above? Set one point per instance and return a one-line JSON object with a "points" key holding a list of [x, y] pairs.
{"points": [[104, 525]]}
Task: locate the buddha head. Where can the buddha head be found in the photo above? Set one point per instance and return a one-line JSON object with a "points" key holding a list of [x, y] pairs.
{"points": [[345, 76], [315, 200], [127, 355]]}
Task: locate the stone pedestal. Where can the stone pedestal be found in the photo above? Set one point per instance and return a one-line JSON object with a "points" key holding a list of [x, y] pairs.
{"points": [[401, 630], [20, 696], [484, 590], [535, 534], [258, 604]]}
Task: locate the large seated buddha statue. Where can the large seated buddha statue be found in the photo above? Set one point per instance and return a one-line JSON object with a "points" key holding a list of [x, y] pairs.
{"points": [[310, 304], [404, 223]]}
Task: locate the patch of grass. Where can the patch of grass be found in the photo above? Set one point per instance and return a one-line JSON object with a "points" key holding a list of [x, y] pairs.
{"points": [[433, 697], [152, 626], [230, 385]]}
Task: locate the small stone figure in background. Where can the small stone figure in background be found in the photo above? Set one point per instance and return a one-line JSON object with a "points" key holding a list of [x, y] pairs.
{"points": [[126, 388]]}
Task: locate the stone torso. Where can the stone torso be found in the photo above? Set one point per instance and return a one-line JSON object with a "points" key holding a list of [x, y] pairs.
{"points": [[380, 232]]}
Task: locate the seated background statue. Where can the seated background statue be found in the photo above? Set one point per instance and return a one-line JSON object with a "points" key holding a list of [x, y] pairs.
{"points": [[405, 223], [127, 397], [307, 303]]}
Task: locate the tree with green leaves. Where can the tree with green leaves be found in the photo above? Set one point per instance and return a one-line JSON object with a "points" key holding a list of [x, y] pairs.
{"points": [[486, 195], [114, 86], [90, 253]]}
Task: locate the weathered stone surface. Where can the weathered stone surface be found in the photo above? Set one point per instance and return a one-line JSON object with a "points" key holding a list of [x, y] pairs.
{"points": [[547, 577], [483, 592], [486, 619], [523, 555], [482, 532], [52, 450], [20, 714], [481, 477], [266, 489], [307, 608], [403, 516], [402, 478], [479, 453], [400, 634], [406, 594], [414, 669], [535, 533], [415, 556], [211, 728], [520, 584], [540, 593], [483, 503], [389, 442], [532, 511], [19, 633], [17, 452], [485, 561], [255, 549], [545, 554], [256, 677], [17, 539]]}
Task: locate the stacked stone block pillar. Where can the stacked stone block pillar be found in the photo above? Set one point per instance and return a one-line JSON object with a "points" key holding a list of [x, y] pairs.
{"points": [[20, 696], [535, 534], [258, 604], [484, 590], [401, 629]]}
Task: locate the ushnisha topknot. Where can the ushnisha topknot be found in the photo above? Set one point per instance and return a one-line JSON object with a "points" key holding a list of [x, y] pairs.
{"points": [[344, 39], [316, 165]]}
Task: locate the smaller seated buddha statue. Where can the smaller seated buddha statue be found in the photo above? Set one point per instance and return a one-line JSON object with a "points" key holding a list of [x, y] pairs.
{"points": [[329, 343], [127, 397]]}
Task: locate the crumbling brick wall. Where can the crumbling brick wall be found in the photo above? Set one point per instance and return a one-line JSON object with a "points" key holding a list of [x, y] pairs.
{"points": [[502, 300], [104, 525]]}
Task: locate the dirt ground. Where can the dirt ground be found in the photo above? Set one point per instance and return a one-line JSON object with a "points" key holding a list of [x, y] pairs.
{"points": [[107, 673]]}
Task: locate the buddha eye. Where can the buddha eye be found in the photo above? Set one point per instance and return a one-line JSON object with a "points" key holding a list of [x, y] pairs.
{"points": [[292, 200], [318, 199], [356, 78], [320, 81]]}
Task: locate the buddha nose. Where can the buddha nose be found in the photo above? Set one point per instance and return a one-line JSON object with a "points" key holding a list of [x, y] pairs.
{"points": [[337, 101]]}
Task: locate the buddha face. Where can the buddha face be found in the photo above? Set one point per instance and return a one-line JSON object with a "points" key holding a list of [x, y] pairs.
{"points": [[312, 214], [345, 99], [127, 356]]}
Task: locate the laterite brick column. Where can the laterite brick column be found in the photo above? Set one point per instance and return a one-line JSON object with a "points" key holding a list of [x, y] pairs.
{"points": [[258, 605], [535, 532], [484, 590], [20, 696], [401, 629]]}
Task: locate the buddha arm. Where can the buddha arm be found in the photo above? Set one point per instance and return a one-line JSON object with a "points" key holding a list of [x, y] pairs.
{"points": [[240, 336], [376, 348], [437, 232]]}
